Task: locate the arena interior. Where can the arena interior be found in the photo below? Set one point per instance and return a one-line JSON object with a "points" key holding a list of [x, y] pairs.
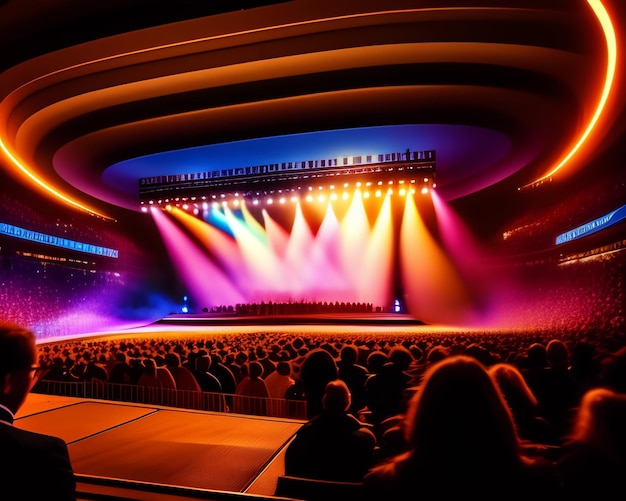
{"points": [[259, 171]]}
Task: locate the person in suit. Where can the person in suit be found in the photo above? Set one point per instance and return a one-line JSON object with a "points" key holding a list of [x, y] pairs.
{"points": [[32, 465]]}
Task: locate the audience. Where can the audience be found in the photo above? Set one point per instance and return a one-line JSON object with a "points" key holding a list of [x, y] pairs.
{"points": [[398, 389], [531, 426], [556, 388], [183, 377], [461, 440], [385, 392], [149, 377], [32, 465], [207, 381], [280, 380], [318, 369], [333, 445], [255, 390], [593, 461], [354, 375]]}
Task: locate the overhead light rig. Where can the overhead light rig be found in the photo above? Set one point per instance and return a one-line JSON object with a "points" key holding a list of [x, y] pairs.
{"points": [[293, 181]]}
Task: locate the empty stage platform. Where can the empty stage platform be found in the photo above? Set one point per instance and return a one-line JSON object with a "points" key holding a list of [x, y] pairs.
{"points": [[162, 445]]}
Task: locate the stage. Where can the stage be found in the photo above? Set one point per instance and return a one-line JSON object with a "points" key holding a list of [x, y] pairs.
{"points": [[214, 319], [213, 451]]}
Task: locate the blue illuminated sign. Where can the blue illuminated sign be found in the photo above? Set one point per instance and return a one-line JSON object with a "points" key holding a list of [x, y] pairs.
{"points": [[42, 238], [593, 226]]}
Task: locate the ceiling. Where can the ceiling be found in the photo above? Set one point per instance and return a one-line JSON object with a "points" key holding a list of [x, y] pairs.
{"points": [[94, 96]]}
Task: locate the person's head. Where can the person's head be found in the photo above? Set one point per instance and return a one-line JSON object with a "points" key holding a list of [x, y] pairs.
{"points": [[336, 399], [172, 360], [203, 363], [349, 354], [18, 359], [613, 370], [557, 354], [401, 357], [536, 355], [376, 360], [149, 366], [480, 353], [458, 415], [319, 365], [520, 398], [599, 423], [255, 370], [283, 368], [437, 353]]}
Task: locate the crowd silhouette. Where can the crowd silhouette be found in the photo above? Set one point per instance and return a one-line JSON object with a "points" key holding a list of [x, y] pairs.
{"points": [[498, 412]]}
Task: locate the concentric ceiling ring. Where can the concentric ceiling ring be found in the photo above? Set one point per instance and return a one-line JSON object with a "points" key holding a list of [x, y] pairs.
{"points": [[522, 77]]}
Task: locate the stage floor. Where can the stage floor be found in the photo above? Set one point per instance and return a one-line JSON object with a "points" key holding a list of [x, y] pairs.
{"points": [[206, 450], [304, 319]]}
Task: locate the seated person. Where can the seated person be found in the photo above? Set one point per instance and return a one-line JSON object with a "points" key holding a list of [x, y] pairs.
{"points": [[593, 461], [32, 465], [460, 438], [334, 445]]}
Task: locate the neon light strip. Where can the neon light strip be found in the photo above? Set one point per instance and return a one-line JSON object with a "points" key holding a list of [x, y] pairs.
{"points": [[611, 46], [47, 187], [43, 238]]}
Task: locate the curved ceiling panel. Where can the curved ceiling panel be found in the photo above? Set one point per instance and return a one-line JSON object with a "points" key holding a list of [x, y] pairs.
{"points": [[519, 78]]}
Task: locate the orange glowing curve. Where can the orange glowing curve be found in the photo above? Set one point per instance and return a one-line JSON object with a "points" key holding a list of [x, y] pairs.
{"points": [[611, 44], [42, 184]]}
